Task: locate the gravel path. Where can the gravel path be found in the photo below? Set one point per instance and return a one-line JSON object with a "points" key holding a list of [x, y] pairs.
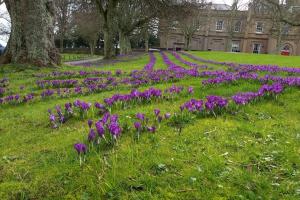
{"points": [[80, 62]]}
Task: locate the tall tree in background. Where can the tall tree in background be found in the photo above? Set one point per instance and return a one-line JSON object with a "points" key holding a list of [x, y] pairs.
{"points": [[132, 15], [32, 33], [190, 20], [64, 10], [288, 15], [88, 24], [107, 9]]}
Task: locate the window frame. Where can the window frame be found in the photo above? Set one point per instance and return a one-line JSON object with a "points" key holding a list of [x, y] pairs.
{"points": [[258, 50], [239, 27], [256, 27], [236, 45], [219, 25]]}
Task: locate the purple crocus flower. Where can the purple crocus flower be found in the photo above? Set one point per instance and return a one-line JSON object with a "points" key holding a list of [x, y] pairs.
{"points": [[159, 118], [156, 111], [100, 129], [90, 123], [138, 126], [114, 118], [92, 135], [167, 115], [105, 118], [80, 148], [151, 129], [190, 90], [140, 116], [114, 129], [52, 118]]}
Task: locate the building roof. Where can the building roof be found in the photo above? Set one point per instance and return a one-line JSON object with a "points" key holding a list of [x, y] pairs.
{"points": [[216, 6]]}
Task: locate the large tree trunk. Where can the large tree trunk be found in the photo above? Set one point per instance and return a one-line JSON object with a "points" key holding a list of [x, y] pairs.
{"points": [[187, 43], [32, 37], [92, 45], [108, 43], [146, 37], [125, 45]]}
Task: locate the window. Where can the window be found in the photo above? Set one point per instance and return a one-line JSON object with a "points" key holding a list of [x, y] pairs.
{"points": [[237, 26], [174, 24], [219, 25], [235, 47], [256, 48], [259, 27], [285, 29]]}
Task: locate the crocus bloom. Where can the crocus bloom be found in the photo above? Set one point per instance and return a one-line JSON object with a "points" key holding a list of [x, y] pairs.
{"points": [[159, 118], [90, 123], [191, 90], [100, 129], [92, 135], [140, 116], [114, 129], [156, 111], [52, 118], [167, 115], [80, 148], [137, 126], [114, 118], [152, 129], [105, 118]]}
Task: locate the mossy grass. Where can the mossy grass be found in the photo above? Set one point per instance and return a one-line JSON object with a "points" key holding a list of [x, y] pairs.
{"points": [[249, 153]]}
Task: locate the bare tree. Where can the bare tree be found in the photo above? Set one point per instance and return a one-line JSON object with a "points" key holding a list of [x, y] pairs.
{"points": [[88, 24], [64, 10], [288, 15]]}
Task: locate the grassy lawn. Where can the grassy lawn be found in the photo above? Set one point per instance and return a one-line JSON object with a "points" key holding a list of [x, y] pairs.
{"points": [[244, 58], [252, 153]]}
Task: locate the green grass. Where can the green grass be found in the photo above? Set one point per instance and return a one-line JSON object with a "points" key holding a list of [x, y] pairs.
{"points": [[244, 58], [250, 154]]}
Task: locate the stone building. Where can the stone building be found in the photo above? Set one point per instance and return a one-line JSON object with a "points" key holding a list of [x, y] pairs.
{"points": [[256, 30]]}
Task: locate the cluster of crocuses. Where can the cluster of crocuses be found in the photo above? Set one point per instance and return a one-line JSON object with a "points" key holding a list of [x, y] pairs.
{"points": [[143, 77], [215, 104], [56, 83], [73, 74], [212, 104], [179, 70], [143, 124], [266, 68], [136, 96], [2, 91], [188, 63], [109, 129], [248, 67], [289, 81], [207, 61], [149, 66], [229, 77], [137, 78], [16, 99], [4, 82], [265, 90], [108, 124], [79, 108]]}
